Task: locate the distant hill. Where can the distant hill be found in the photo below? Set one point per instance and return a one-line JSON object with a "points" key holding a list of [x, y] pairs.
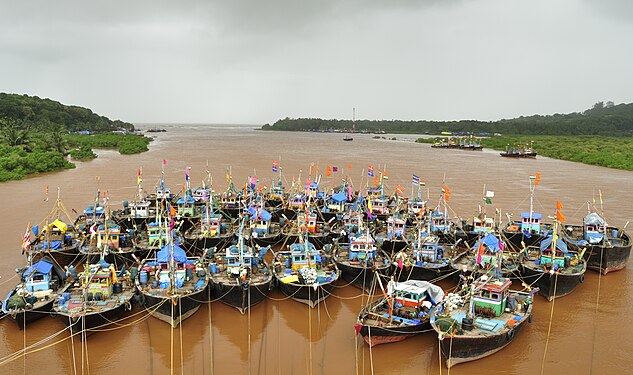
{"points": [[42, 112], [606, 119]]}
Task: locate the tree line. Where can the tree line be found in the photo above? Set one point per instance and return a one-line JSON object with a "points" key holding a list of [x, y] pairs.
{"points": [[606, 119]]}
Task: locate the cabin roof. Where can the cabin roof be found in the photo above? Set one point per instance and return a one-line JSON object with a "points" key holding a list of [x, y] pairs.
{"points": [[41, 267], [560, 245], [593, 219], [526, 215]]}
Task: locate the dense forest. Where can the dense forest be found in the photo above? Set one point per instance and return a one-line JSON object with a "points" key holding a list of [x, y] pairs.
{"points": [[606, 119], [37, 134]]}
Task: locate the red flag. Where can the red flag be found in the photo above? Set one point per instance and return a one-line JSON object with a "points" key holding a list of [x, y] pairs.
{"points": [[400, 265], [357, 327], [26, 239]]}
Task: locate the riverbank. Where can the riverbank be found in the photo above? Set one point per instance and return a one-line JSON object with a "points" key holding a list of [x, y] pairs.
{"points": [[610, 152]]}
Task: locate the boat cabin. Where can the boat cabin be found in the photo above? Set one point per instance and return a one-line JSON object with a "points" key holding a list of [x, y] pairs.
{"points": [[375, 192], [202, 194], [593, 228], [310, 221], [485, 225], [428, 249], [351, 222], [491, 296], [156, 234], [553, 256], [488, 247], [362, 247], [163, 258], [416, 208], [93, 214], [533, 224], [186, 206], [38, 276], [380, 206], [439, 222], [299, 258], [277, 192], [100, 282], [109, 234], [140, 209], [395, 227], [163, 193], [235, 262], [336, 203], [409, 296], [312, 191], [260, 223], [211, 226], [297, 202]]}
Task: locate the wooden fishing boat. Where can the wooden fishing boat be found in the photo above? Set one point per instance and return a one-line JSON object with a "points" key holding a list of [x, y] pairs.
{"points": [[56, 238], [107, 240], [304, 273], [482, 322], [212, 231], [359, 261], [99, 296], [261, 230], [607, 248], [519, 151], [401, 313], [41, 283], [395, 236], [425, 258], [552, 267], [489, 252], [320, 234], [136, 214], [172, 285], [241, 278]]}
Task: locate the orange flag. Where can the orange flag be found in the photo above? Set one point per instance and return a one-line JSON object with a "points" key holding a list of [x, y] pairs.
{"points": [[559, 206]]}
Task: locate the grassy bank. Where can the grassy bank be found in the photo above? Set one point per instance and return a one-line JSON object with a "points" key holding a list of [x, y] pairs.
{"points": [[611, 152], [125, 143], [16, 163]]}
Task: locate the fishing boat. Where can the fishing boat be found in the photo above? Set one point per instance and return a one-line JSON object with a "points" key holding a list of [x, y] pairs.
{"points": [[261, 230], [425, 258], [482, 320], [213, 230], [607, 248], [241, 278], [394, 237], [172, 285], [97, 297], [529, 230], [56, 237], [359, 261], [402, 312], [136, 214], [304, 273], [552, 267], [519, 151], [489, 252], [320, 234], [41, 283]]}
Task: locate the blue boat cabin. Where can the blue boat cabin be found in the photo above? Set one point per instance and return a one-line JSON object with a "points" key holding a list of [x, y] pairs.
{"points": [[485, 225], [531, 224], [38, 276], [235, 262], [362, 247], [395, 227]]}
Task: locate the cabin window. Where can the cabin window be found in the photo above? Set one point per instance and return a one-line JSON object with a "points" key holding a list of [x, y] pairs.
{"points": [[232, 261], [590, 228], [485, 294], [38, 277], [494, 296]]}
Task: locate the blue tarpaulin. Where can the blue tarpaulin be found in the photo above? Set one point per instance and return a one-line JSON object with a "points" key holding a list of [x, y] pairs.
{"points": [[489, 241], [560, 245], [187, 199], [164, 254], [340, 197], [264, 215], [41, 267]]}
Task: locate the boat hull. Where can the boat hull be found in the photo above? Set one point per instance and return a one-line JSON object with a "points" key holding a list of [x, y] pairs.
{"points": [[307, 294], [552, 285], [361, 277], [173, 310], [239, 296], [95, 320]]}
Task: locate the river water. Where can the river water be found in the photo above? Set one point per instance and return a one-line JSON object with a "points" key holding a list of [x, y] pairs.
{"points": [[589, 330]]}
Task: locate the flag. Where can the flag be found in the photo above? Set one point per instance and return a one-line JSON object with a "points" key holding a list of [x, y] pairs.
{"points": [[399, 189], [415, 180], [446, 192], [228, 176], [384, 176], [370, 171], [349, 166], [275, 165], [46, 199], [536, 178], [253, 182], [334, 169], [480, 252], [26, 239], [487, 200], [138, 178], [559, 215], [490, 194], [187, 174], [559, 206]]}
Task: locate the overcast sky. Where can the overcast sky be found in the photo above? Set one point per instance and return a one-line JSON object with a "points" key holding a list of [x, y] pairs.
{"points": [[255, 61]]}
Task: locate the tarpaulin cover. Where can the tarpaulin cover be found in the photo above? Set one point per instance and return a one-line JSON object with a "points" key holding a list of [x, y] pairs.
{"points": [[490, 241], [594, 219], [164, 254], [435, 293], [560, 245], [59, 225], [41, 267], [340, 197]]}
